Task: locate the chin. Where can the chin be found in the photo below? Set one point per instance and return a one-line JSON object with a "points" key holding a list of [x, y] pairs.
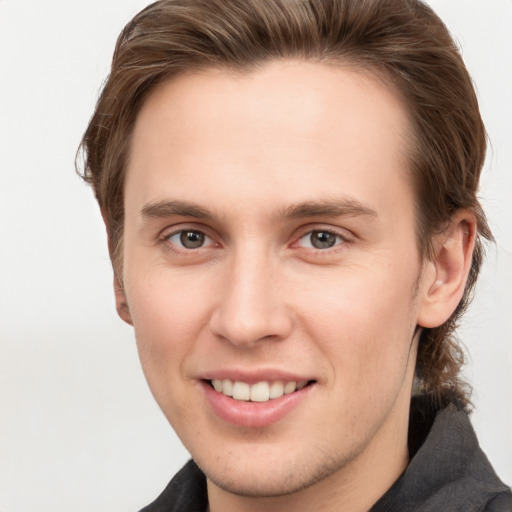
{"points": [[271, 480]]}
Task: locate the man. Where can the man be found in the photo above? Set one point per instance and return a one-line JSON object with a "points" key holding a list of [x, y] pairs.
{"points": [[289, 189]]}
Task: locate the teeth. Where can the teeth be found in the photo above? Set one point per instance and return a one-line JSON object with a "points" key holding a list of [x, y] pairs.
{"points": [[290, 387], [241, 391], [260, 392], [276, 389], [227, 387]]}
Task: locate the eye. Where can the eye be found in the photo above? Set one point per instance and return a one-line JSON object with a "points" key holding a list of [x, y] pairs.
{"points": [[189, 239], [320, 239]]}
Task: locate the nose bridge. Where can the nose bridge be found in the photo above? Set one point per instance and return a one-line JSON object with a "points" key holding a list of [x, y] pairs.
{"points": [[251, 305]]}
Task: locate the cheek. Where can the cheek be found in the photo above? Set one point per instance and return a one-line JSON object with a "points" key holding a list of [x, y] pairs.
{"points": [[363, 319], [169, 315], [168, 323]]}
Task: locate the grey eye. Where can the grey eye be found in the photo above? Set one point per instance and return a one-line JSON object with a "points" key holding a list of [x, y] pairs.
{"points": [[322, 239], [191, 239], [319, 239]]}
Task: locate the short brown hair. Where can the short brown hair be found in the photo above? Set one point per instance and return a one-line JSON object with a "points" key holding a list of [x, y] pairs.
{"points": [[402, 40]]}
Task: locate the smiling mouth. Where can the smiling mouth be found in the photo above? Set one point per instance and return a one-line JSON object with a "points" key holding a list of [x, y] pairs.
{"points": [[259, 392]]}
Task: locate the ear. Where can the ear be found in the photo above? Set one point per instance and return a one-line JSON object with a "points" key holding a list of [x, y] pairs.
{"points": [[121, 303], [444, 277]]}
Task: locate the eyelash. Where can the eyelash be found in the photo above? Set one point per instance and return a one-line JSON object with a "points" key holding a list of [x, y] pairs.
{"points": [[340, 239], [165, 239], [175, 247]]}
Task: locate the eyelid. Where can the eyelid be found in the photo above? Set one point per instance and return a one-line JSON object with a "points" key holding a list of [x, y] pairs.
{"points": [[345, 235], [335, 230], [167, 233]]}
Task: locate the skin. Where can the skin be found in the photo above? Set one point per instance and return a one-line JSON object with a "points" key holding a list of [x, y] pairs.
{"points": [[247, 153]]}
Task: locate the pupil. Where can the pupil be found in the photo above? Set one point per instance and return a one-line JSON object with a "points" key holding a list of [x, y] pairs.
{"points": [[192, 239], [322, 240]]}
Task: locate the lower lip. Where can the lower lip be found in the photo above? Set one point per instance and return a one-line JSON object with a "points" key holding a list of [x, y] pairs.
{"points": [[253, 414]]}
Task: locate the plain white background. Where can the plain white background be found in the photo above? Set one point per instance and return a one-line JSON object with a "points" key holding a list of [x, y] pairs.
{"points": [[78, 428]]}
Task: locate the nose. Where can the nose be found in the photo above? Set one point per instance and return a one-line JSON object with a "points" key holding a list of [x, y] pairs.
{"points": [[250, 306]]}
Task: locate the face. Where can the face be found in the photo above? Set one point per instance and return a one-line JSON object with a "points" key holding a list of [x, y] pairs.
{"points": [[271, 270]]}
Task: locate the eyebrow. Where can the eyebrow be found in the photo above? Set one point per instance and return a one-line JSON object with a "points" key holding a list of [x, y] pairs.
{"points": [[342, 207], [163, 209]]}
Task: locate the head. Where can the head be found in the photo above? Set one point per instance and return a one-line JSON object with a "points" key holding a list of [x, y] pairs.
{"points": [[404, 43], [398, 50]]}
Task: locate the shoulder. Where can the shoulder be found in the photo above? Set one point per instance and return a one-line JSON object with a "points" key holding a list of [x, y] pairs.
{"points": [[448, 470], [500, 503], [186, 492]]}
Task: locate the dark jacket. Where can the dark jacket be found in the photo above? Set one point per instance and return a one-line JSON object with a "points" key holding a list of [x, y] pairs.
{"points": [[448, 472]]}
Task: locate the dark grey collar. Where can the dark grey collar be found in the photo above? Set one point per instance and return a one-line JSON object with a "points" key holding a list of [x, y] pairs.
{"points": [[448, 471]]}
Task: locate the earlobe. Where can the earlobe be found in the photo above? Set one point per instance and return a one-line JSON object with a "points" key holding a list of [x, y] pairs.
{"points": [[121, 303], [445, 276]]}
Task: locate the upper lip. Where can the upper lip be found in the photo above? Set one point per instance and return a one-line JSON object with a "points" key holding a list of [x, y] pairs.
{"points": [[254, 376]]}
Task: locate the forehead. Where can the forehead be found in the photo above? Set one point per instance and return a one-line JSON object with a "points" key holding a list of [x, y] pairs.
{"points": [[289, 131]]}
